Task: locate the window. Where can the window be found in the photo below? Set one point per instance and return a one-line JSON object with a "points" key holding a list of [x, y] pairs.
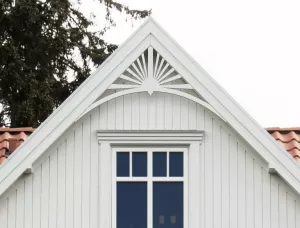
{"points": [[149, 188]]}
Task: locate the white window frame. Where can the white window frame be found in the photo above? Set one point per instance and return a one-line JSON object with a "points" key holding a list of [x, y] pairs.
{"points": [[150, 179], [191, 139]]}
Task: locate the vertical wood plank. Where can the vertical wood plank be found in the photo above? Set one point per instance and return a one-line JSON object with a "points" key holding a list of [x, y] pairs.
{"points": [[111, 115], [184, 113], [168, 111], [127, 112], [282, 207], [94, 188], [274, 202], [78, 175], [225, 178], [37, 198], [45, 198], [291, 212], [266, 200], [152, 111], [120, 113], [192, 115], [20, 206], [176, 113], [249, 191], [297, 214], [160, 115], [3, 211], [61, 188], [85, 173], [28, 202], [103, 117], [12, 203], [217, 174], [209, 167], [135, 110], [200, 117], [233, 182], [258, 211], [194, 185], [241, 186], [53, 190], [70, 179], [143, 112], [105, 186]]}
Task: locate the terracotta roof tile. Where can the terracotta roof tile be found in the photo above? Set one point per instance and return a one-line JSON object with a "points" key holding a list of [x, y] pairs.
{"points": [[10, 139], [288, 138]]}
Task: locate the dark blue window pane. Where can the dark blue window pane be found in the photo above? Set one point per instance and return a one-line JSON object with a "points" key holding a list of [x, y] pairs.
{"points": [[131, 205], [139, 164], [167, 205], [159, 164], [176, 164], [123, 164]]}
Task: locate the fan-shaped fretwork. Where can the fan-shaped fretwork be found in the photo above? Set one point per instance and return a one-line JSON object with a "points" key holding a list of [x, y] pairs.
{"points": [[150, 72], [150, 76]]}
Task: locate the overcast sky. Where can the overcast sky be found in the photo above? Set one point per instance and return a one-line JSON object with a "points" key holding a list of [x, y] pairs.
{"points": [[250, 47]]}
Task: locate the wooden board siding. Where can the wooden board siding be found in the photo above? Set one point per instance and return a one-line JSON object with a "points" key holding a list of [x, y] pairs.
{"points": [[67, 187]]}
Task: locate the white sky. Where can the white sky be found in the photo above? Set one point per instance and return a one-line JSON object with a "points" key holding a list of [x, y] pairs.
{"points": [[250, 47]]}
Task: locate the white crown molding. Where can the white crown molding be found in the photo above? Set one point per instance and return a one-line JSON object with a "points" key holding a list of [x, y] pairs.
{"points": [[153, 136]]}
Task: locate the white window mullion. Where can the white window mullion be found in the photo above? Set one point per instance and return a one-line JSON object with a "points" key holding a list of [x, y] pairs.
{"points": [[168, 153], [130, 164], [149, 191]]}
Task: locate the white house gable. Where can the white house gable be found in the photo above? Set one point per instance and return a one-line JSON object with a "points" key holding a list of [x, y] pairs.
{"points": [[151, 141]]}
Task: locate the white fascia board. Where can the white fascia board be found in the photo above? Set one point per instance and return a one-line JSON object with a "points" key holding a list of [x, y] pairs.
{"points": [[260, 140], [67, 113]]}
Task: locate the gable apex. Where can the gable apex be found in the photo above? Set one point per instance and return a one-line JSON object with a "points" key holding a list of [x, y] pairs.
{"points": [[150, 34]]}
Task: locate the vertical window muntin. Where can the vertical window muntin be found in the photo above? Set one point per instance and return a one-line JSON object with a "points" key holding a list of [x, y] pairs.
{"points": [[150, 180]]}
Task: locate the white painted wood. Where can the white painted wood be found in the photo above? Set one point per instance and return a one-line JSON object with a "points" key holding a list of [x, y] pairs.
{"points": [[78, 173], [258, 194], [195, 187], [135, 110], [70, 178], [143, 111], [234, 187], [20, 204], [105, 186], [94, 169], [225, 166], [36, 213], [53, 203], [249, 190], [28, 202], [266, 200], [241, 175], [233, 178], [45, 196], [11, 209], [61, 185]]}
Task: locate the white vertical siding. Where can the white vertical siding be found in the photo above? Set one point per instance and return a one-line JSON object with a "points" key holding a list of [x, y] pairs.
{"points": [[65, 190]]}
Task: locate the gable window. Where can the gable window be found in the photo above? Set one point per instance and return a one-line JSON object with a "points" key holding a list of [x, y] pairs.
{"points": [[149, 187]]}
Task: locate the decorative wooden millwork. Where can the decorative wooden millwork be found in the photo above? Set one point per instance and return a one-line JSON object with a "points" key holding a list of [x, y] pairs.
{"points": [[150, 72]]}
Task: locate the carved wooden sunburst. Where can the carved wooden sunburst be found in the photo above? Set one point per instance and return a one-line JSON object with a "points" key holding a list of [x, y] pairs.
{"points": [[150, 72]]}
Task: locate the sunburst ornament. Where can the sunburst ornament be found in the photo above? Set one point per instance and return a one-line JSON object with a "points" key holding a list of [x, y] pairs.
{"points": [[150, 73]]}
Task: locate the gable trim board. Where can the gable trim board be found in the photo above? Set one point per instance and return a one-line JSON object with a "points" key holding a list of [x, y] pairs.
{"points": [[149, 34]]}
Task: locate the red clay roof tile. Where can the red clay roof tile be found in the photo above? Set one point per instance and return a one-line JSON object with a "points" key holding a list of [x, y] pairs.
{"points": [[10, 139], [288, 138]]}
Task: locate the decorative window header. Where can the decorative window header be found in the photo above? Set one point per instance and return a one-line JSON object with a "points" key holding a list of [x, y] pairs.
{"points": [[153, 136]]}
